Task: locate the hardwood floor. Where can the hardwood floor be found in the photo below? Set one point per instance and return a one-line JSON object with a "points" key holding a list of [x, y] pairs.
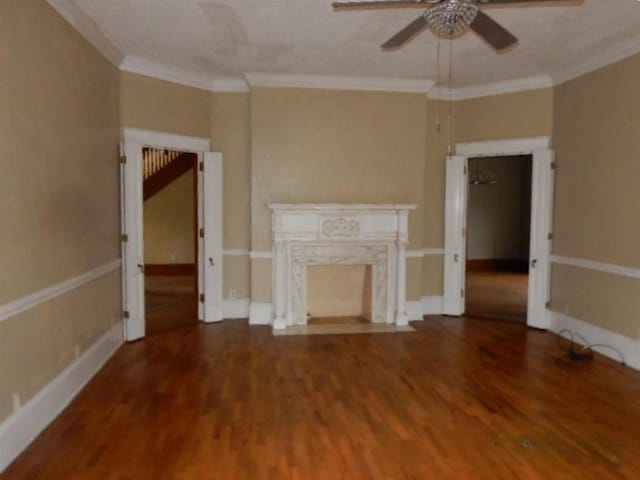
{"points": [[170, 303], [457, 399], [497, 294]]}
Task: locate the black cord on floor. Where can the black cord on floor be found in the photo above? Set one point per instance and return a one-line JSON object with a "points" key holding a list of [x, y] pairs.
{"points": [[583, 353]]}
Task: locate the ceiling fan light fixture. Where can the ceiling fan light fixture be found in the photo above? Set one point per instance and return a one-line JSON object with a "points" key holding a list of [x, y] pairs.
{"points": [[451, 17]]}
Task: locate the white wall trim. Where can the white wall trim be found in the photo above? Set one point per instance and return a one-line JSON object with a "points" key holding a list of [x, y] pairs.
{"points": [[629, 347], [235, 308], [157, 139], [260, 313], [598, 266], [182, 76], [330, 82], [490, 89], [414, 310], [88, 28], [425, 252], [19, 430], [32, 300], [257, 254], [512, 146], [433, 305], [236, 252]]}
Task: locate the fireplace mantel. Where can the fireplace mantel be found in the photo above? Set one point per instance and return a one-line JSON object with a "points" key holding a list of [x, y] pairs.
{"points": [[330, 233]]}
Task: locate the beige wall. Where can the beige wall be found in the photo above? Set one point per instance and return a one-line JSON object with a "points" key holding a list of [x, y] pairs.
{"points": [[163, 106], [230, 134], [597, 198], [498, 214], [350, 296], [169, 223], [333, 146], [514, 115], [59, 213]]}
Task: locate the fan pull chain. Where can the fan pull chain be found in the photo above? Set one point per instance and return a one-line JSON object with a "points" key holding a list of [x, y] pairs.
{"points": [[439, 86]]}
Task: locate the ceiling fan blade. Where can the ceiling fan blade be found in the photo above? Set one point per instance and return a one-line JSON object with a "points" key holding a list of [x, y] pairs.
{"points": [[530, 3], [406, 33], [495, 34], [378, 3]]}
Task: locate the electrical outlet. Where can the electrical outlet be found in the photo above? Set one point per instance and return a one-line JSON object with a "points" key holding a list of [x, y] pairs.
{"points": [[232, 293], [172, 257], [17, 403]]}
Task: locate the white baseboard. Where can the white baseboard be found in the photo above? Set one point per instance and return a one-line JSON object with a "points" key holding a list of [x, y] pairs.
{"points": [[414, 310], [19, 430], [235, 308], [260, 313], [628, 347], [433, 305]]}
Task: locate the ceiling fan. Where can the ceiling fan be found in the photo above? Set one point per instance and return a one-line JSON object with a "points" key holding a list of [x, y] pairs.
{"points": [[450, 18]]}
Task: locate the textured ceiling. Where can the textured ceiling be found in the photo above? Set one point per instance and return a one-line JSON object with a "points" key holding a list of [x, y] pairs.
{"points": [[309, 37]]}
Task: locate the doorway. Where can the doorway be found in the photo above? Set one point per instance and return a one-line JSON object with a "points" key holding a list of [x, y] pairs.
{"points": [[456, 205], [208, 255], [498, 232], [170, 209]]}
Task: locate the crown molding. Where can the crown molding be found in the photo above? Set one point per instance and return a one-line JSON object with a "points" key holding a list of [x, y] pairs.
{"points": [[181, 76], [618, 52], [332, 82], [85, 25], [489, 89], [89, 29]]}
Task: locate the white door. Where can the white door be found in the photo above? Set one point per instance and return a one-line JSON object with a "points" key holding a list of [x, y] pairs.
{"points": [[540, 243], [454, 234], [132, 240], [211, 253]]}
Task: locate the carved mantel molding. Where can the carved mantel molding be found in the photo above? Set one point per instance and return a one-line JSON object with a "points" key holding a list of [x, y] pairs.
{"points": [[315, 234]]}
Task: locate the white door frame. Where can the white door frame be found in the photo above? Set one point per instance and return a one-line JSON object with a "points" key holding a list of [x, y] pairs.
{"points": [[133, 141], [541, 216]]}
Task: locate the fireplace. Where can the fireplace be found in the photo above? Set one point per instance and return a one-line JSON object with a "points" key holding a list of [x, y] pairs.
{"points": [[339, 234]]}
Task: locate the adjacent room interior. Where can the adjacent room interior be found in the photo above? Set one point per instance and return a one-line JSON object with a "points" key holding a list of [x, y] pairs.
{"points": [[498, 237], [333, 141], [170, 239]]}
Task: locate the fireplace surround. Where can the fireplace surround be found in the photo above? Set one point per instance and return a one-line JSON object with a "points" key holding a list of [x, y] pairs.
{"points": [[347, 234]]}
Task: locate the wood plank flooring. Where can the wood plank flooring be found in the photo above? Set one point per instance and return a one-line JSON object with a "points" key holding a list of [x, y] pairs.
{"points": [[497, 294], [457, 399], [170, 302]]}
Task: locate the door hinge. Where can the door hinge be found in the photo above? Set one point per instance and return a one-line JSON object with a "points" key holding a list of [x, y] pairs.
{"points": [[553, 165], [123, 159], [462, 293], [124, 237], [550, 236], [465, 169], [202, 298], [547, 305], [125, 314], [464, 231], [201, 166], [201, 233]]}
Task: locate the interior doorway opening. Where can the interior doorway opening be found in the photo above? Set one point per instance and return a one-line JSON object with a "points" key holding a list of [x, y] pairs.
{"points": [[170, 217], [498, 237]]}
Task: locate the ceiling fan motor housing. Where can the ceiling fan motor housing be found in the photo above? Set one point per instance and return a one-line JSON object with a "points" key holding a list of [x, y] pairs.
{"points": [[451, 17]]}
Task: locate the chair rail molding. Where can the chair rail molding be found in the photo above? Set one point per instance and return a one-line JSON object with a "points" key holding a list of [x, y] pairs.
{"points": [[34, 299]]}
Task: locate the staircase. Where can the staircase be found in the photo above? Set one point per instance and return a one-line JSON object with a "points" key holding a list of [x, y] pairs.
{"points": [[161, 167]]}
